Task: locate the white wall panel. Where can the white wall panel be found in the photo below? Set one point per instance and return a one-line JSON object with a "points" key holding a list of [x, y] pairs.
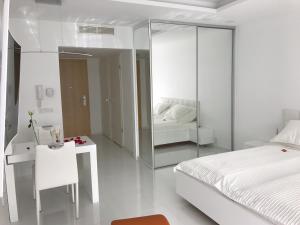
{"points": [[38, 69], [43, 68]]}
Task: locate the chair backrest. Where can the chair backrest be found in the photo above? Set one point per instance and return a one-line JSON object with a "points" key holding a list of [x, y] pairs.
{"points": [[55, 167]]}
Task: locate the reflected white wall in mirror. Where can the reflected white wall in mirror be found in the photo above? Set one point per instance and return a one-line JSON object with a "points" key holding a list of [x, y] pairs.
{"points": [[214, 83], [174, 63], [174, 93]]}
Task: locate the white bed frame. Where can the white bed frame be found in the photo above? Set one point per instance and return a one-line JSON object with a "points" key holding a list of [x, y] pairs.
{"points": [[214, 204]]}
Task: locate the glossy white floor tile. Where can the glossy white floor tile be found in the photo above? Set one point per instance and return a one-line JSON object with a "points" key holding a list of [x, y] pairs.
{"points": [[127, 189]]}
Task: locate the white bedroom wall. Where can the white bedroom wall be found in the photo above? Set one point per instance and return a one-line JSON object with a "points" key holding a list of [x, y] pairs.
{"points": [[94, 95], [48, 35], [267, 75], [141, 38], [174, 65], [43, 35]]}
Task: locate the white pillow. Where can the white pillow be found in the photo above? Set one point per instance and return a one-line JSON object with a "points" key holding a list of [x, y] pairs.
{"points": [[161, 107], [177, 112], [189, 117], [290, 133]]}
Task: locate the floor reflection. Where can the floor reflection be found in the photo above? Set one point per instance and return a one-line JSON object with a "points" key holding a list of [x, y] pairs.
{"points": [[128, 188]]}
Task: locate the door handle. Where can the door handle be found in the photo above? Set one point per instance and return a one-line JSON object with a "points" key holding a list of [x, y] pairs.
{"points": [[83, 100]]}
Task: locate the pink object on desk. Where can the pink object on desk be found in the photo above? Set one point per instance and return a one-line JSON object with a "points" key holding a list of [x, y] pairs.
{"points": [[77, 140]]}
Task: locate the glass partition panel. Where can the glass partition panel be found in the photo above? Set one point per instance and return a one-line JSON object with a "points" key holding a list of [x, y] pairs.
{"points": [[174, 50], [214, 90], [141, 45]]}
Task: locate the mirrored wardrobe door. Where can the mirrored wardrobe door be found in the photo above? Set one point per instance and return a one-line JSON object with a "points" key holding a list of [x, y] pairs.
{"points": [[142, 48], [214, 90], [173, 50]]}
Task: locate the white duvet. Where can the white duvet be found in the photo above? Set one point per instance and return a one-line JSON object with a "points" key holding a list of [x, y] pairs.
{"points": [[264, 179]]}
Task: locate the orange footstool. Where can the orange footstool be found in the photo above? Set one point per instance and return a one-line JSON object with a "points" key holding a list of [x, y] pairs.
{"points": [[145, 220]]}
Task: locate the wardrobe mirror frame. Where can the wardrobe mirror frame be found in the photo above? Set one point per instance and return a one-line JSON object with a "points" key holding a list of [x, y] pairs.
{"points": [[152, 22], [232, 122], [145, 23], [197, 26]]}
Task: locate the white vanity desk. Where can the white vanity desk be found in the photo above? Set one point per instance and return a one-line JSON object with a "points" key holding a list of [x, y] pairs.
{"points": [[25, 152]]}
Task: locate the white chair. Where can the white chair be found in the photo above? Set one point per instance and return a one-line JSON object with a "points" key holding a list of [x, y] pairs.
{"points": [[55, 168], [45, 138]]}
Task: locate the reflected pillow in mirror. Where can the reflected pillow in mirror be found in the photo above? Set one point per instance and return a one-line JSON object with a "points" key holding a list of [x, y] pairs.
{"points": [[290, 134], [188, 117], [177, 112], [160, 108]]}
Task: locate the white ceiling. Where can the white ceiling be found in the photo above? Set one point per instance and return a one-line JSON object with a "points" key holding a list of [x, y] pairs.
{"points": [[110, 12], [97, 11], [202, 3], [257, 9]]}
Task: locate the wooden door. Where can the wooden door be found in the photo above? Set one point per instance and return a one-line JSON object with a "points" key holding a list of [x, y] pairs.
{"points": [[75, 97], [116, 102]]}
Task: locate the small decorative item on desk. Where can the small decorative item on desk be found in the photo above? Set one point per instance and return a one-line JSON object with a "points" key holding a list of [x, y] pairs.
{"points": [[56, 138], [55, 134], [32, 124], [77, 140]]}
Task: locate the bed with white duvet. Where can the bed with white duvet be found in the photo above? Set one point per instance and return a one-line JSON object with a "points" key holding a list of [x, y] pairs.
{"points": [[264, 180]]}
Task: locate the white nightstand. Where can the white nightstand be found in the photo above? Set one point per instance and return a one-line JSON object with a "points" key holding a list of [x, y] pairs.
{"points": [[254, 143]]}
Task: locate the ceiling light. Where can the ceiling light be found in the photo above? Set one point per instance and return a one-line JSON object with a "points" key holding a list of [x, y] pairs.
{"points": [[168, 5], [50, 2], [76, 53]]}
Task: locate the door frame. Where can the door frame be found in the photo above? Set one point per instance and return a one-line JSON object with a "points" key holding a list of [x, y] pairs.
{"points": [[107, 59], [121, 100]]}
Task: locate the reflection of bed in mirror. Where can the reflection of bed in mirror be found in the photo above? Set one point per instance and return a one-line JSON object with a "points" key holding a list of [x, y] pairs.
{"points": [[175, 122]]}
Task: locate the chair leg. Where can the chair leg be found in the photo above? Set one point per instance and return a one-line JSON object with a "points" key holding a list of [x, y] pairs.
{"points": [[73, 194], [38, 207], [34, 197], [33, 179], [77, 200]]}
